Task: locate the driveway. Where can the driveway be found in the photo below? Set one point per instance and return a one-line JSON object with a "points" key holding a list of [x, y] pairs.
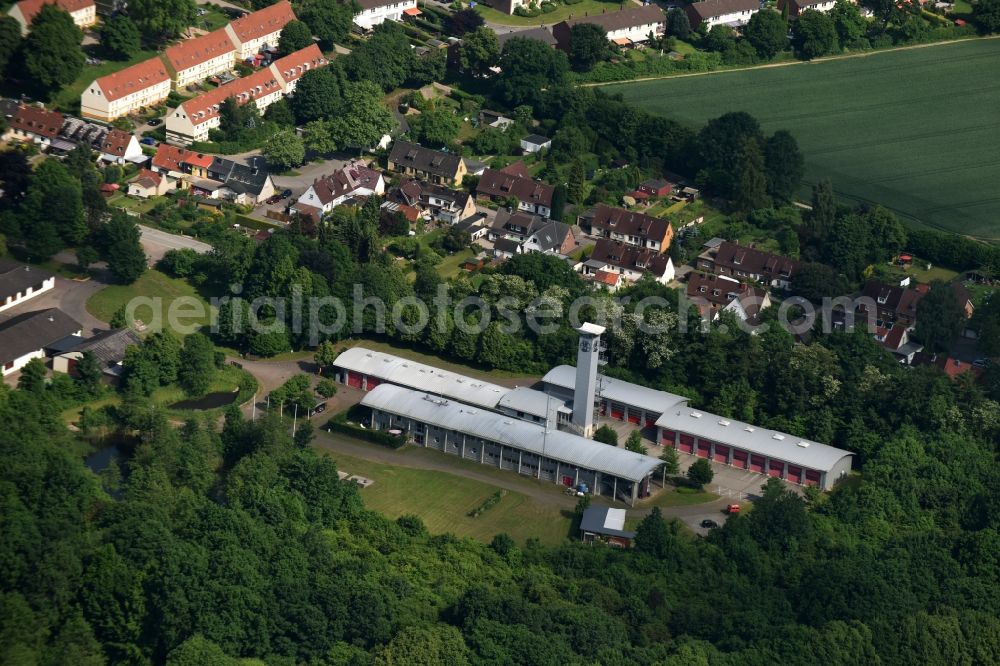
{"points": [[157, 243], [70, 296]]}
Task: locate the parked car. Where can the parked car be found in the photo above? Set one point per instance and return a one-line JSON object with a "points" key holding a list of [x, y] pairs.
{"points": [[147, 141], [286, 194], [318, 409], [733, 509], [709, 524], [154, 122], [273, 199]]}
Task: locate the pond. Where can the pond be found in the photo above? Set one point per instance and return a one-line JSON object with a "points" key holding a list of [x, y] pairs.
{"points": [[99, 460], [210, 401]]}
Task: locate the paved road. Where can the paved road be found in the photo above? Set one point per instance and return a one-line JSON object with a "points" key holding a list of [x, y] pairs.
{"points": [[157, 243]]}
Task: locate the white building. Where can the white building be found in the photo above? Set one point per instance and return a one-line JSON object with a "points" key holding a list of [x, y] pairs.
{"points": [[624, 28], [796, 7], [374, 12], [252, 33], [194, 60], [20, 282], [734, 13], [328, 192], [535, 143], [83, 12], [192, 120], [142, 85], [28, 336], [119, 147]]}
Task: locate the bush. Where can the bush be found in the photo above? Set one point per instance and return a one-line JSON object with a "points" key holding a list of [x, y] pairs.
{"points": [[326, 388], [339, 424]]}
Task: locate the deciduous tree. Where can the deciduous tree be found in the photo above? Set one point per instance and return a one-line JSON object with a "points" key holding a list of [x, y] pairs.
{"points": [[197, 365], [436, 127], [527, 67], [588, 45], [126, 258], [767, 32], [159, 20], [329, 20], [940, 317], [120, 38], [784, 165], [678, 24], [294, 36], [480, 50], [284, 150], [52, 54], [814, 35], [606, 435], [700, 472]]}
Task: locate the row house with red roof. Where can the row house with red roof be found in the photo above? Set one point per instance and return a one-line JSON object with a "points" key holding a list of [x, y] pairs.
{"points": [[83, 12], [142, 85], [192, 120], [260, 30], [194, 60]]}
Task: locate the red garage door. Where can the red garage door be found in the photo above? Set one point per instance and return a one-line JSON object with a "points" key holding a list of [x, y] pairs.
{"points": [[617, 412], [757, 464], [354, 379], [371, 383], [775, 469], [686, 444], [634, 416], [740, 458], [703, 449], [721, 453], [812, 477], [650, 421], [667, 437], [794, 474]]}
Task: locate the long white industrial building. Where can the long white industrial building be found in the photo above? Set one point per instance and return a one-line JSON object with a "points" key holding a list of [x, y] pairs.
{"points": [[508, 443], [574, 399]]}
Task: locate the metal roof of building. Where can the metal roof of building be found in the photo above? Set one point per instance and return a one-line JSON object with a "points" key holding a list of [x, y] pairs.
{"points": [[617, 390], [754, 439], [492, 427], [421, 377], [605, 520], [530, 401]]}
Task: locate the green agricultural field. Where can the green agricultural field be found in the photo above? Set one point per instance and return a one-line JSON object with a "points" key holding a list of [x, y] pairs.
{"points": [[916, 130]]}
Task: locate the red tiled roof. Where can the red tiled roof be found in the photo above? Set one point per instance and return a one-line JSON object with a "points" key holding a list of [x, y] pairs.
{"points": [[243, 90], [38, 121], [147, 178], [133, 79], [518, 169], [116, 142], [605, 277], [264, 22], [294, 65], [954, 367], [193, 52], [30, 8], [171, 158]]}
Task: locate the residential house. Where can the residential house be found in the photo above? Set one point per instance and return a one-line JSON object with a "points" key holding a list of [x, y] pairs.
{"points": [[552, 238], [422, 163], [713, 294], [194, 60], [796, 7], [440, 203], [192, 120], [896, 339], [494, 119], [31, 335], [293, 66], [146, 184], [733, 13], [628, 26], [505, 248], [475, 226], [542, 33], [20, 282], [108, 347], [747, 262], [180, 165], [657, 187], [505, 6], [894, 305], [327, 192], [245, 184], [35, 124], [535, 143], [254, 32], [119, 147], [128, 90], [83, 12], [515, 225], [628, 261], [375, 12], [646, 231], [532, 196]]}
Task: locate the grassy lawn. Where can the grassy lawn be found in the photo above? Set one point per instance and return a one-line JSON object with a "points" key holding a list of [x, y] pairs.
{"points": [[919, 272], [443, 501], [128, 203], [451, 265], [939, 168], [561, 13], [68, 99], [153, 284]]}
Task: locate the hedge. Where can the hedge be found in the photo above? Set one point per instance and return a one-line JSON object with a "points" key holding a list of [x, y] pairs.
{"points": [[340, 424]]}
